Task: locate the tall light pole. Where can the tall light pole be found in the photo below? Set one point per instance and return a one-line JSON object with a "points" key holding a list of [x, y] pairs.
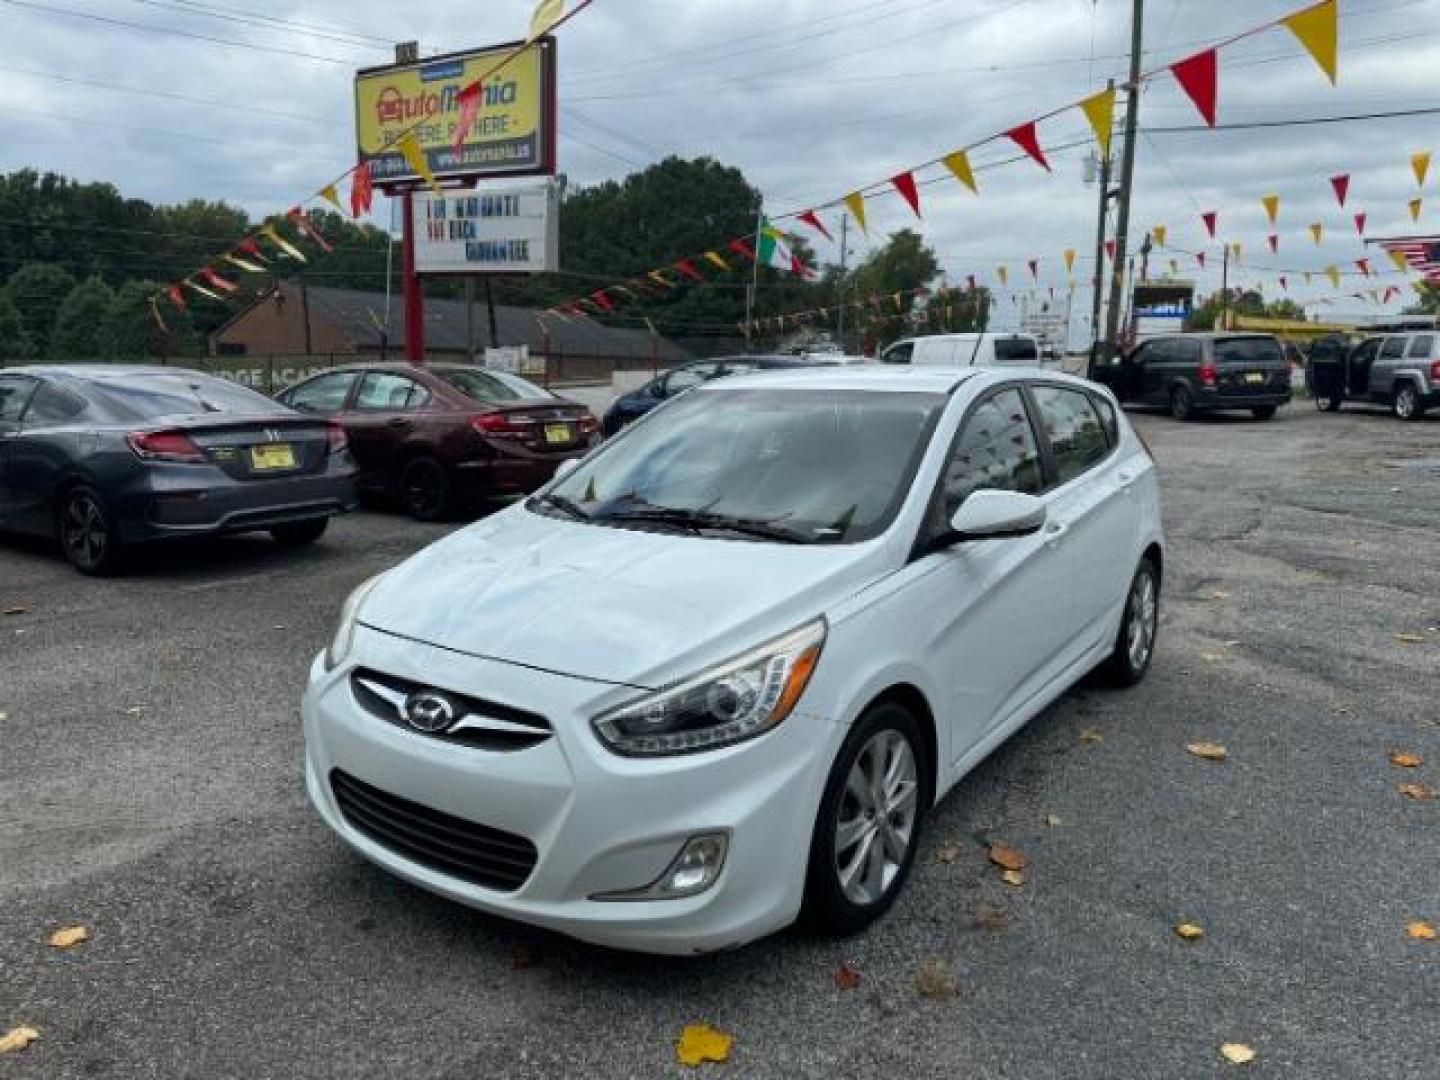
{"points": [[1127, 171]]}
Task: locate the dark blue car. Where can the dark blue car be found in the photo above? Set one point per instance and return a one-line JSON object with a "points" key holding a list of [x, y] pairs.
{"points": [[104, 456], [630, 407]]}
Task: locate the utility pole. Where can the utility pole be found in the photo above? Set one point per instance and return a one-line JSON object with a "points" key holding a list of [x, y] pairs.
{"points": [[840, 300], [754, 275], [1224, 288], [1127, 171], [1099, 278]]}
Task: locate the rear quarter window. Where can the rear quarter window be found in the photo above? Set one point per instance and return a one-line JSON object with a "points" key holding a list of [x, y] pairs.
{"points": [[1016, 351]]}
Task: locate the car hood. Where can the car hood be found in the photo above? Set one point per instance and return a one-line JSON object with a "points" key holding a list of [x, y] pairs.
{"points": [[612, 605]]}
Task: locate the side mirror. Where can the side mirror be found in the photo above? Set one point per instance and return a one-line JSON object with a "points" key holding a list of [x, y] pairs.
{"points": [[566, 467], [989, 514]]}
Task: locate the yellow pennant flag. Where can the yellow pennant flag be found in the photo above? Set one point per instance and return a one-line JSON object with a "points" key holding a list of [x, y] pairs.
{"points": [[1318, 29], [715, 258], [547, 14], [408, 145], [202, 290], [331, 194], [1272, 207], [1069, 260], [959, 164], [1002, 274], [659, 278], [159, 321], [1333, 274], [1316, 231], [1099, 109], [1414, 209], [245, 264], [1420, 163], [856, 202], [286, 248], [1235, 250], [1398, 258], [1158, 232]]}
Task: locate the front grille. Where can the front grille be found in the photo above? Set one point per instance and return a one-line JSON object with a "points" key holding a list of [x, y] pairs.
{"points": [[486, 725], [451, 845]]}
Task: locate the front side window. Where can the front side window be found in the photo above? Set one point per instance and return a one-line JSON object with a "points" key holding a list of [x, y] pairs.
{"points": [[1393, 347], [810, 466], [1072, 428], [382, 391], [996, 450], [51, 405], [322, 394]]}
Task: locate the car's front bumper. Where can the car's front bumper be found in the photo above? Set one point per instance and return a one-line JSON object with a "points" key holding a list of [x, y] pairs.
{"points": [[600, 822]]}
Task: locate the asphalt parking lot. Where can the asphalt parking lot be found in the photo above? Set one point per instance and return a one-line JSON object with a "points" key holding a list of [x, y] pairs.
{"points": [[150, 789]]}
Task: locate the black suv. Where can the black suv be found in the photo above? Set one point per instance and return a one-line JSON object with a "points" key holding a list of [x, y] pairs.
{"points": [[1190, 373]]}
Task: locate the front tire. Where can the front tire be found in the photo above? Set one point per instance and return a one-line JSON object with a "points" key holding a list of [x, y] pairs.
{"points": [[1182, 403], [425, 489], [1264, 412], [1407, 402], [1139, 627], [87, 533], [298, 534], [869, 823]]}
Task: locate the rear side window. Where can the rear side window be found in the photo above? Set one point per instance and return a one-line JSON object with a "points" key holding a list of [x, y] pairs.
{"points": [[1072, 426], [51, 405], [322, 394], [996, 450], [898, 354], [1248, 350], [14, 393], [383, 391], [1420, 346], [1186, 350], [1393, 347], [1016, 351]]}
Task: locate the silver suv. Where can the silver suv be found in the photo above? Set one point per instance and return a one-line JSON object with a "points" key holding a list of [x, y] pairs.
{"points": [[1400, 370]]}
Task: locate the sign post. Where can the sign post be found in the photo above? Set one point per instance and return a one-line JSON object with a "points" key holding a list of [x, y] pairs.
{"points": [[414, 297]]}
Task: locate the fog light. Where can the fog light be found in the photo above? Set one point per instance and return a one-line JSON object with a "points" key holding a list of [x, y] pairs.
{"points": [[692, 871]]}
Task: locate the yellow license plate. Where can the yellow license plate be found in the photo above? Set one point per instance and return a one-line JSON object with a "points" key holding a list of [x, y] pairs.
{"points": [[557, 433], [272, 456], [1254, 377]]}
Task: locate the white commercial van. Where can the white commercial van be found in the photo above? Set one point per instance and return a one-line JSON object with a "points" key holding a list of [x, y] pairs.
{"points": [[966, 350]]}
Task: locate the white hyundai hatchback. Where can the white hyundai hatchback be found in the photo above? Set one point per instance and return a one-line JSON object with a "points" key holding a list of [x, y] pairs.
{"points": [[713, 677]]}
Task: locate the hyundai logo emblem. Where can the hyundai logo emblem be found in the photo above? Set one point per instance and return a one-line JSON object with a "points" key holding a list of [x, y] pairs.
{"points": [[430, 712]]}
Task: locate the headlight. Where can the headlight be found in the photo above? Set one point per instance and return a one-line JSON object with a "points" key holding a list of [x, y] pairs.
{"points": [[344, 635], [726, 704]]}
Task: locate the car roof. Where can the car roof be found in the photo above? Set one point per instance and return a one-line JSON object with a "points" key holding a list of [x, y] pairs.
{"points": [[893, 379], [99, 370]]}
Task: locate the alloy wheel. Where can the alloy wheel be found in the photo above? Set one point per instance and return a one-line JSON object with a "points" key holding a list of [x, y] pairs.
{"points": [[84, 531], [1144, 612], [875, 825], [423, 489]]}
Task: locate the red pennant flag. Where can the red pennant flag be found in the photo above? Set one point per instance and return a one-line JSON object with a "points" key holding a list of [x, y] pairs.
{"points": [[601, 299], [1363, 265], [740, 247], [810, 218], [362, 190], [1274, 239], [1341, 184], [1210, 217], [177, 296], [470, 99], [1199, 77], [306, 226], [686, 267], [1284, 284], [905, 184], [798, 267], [1028, 139], [1034, 265], [251, 248], [1200, 258], [1110, 250], [1360, 223], [224, 284]]}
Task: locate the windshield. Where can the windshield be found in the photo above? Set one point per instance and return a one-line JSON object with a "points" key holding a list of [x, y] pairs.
{"points": [[150, 397], [810, 466], [487, 386], [1248, 350]]}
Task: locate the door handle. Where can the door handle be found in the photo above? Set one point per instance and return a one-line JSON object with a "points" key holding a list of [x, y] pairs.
{"points": [[1123, 480], [397, 422]]}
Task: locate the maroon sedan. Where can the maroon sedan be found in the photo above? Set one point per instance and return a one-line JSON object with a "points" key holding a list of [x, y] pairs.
{"points": [[443, 433]]}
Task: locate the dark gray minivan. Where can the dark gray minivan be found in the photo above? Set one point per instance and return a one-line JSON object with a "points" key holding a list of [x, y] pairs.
{"points": [[1192, 373]]}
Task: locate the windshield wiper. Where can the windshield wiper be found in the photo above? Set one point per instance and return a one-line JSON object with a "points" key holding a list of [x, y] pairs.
{"points": [[565, 505], [695, 520]]}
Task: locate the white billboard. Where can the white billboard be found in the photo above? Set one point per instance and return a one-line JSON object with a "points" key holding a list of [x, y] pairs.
{"points": [[494, 229]]}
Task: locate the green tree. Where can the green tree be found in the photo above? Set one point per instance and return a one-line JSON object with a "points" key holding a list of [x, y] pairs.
{"points": [[1427, 300], [79, 332], [1242, 302], [14, 341], [37, 290], [904, 264], [132, 331]]}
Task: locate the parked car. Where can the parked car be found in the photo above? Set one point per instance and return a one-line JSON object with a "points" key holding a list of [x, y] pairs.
{"points": [[1401, 371], [966, 350], [105, 456], [436, 435], [1193, 373], [717, 673], [627, 408]]}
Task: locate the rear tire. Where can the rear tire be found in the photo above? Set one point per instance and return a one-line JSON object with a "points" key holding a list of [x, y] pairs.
{"points": [[1139, 627], [425, 489], [866, 834], [1327, 404], [1182, 403], [298, 534], [1407, 402], [1264, 412], [87, 533]]}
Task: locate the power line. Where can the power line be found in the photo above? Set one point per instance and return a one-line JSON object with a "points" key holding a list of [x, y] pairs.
{"points": [[268, 23], [1299, 122]]}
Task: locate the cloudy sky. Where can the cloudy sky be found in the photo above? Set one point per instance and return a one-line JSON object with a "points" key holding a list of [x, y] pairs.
{"points": [[251, 103]]}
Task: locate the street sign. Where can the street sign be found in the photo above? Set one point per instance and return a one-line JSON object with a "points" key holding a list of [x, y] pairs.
{"points": [[509, 228]]}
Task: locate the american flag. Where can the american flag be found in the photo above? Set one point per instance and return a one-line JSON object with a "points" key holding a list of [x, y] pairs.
{"points": [[1421, 252]]}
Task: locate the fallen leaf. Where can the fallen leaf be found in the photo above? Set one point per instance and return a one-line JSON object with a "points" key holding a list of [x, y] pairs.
{"points": [[936, 981], [1410, 639], [1421, 792], [947, 852], [1406, 759], [1237, 1053], [1421, 931], [68, 937], [1212, 657], [1208, 750], [1007, 858], [991, 917], [700, 1043], [17, 609], [846, 977], [1091, 735], [1012, 877], [1053, 821], [17, 1039], [1189, 931]]}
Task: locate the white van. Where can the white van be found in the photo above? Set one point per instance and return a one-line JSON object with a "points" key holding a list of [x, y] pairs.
{"points": [[966, 350]]}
